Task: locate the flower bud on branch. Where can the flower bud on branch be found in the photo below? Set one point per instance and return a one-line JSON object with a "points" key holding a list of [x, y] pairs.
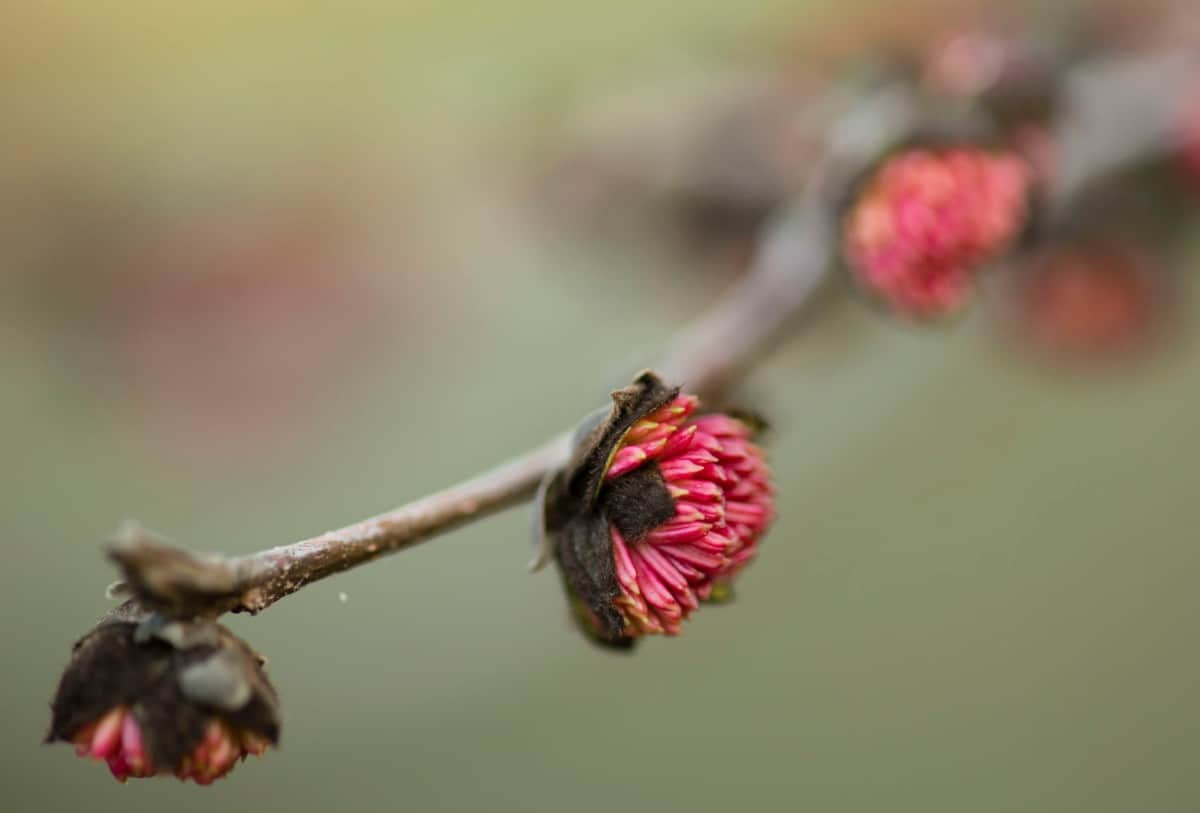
{"points": [[657, 511], [161, 696], [652, 509]]}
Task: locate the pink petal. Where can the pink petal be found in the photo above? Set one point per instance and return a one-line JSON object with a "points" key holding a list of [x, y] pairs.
{"points": [[640, 431], [656, 593], [744, 512], [707, 442], [118, 767], [679, 442], [222, 756], [626, 572], [131, 739], [697, 490], [687, 554], [666, 572], [107, 739], [625, 461], [690, 573], [710, 512], [674, 533], [720, 425], [679, 469], [717, 474]]}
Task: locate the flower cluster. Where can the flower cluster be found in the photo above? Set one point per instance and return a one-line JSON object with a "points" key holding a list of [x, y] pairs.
{"points": [[116, 738], [159, 698], [721, 487], [929, 219], [659, 511]]}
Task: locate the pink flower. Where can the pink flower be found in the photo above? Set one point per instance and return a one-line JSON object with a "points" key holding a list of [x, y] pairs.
{"points": [[929, 219], [116, 738], [721, 486], [658, 511]]}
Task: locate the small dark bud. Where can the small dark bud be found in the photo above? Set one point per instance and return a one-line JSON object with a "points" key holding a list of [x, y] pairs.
{"points": [[162, 696]]}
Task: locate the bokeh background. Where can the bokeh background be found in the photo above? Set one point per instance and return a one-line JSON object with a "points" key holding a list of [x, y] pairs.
{"points": [[267, 268]]}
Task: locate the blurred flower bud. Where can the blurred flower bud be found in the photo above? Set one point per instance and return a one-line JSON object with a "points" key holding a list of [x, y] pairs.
{"points": [[1012, 74], [165, 697], [658, 510], [927, 220], [966, 64], [1087, 300]]}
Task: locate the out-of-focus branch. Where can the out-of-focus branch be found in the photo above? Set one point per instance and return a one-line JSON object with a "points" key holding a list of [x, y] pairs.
{"points": [[1117, 114], [1099, 135], [796, 251]]}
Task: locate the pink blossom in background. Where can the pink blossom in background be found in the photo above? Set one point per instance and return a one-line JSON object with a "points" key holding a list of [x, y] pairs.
{"points": [[1088, 300], [929, 219]]}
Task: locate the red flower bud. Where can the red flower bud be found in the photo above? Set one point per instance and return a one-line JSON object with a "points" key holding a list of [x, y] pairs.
{"points": [[658, 511]]}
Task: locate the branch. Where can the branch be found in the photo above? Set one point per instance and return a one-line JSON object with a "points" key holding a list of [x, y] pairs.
{"points": [[268, 576], [796, 252], [1117, 115]]}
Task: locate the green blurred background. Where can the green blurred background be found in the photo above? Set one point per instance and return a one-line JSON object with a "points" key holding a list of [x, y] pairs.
{"points": [[980, 592]]}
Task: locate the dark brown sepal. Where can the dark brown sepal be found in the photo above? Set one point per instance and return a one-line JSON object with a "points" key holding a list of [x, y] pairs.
{"points": [[168, 579], [594, 449], [572, 522]]}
